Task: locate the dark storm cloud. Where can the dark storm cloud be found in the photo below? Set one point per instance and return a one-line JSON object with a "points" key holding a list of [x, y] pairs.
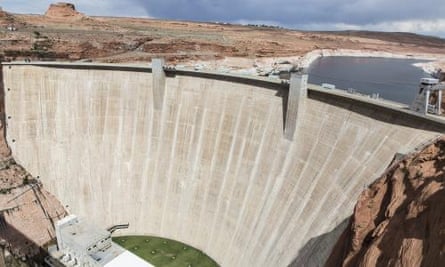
{"points": [[292, 12]]}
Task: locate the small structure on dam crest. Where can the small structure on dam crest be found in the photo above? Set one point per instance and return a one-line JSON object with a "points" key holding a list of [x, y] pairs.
{"points": [[429, 98]]}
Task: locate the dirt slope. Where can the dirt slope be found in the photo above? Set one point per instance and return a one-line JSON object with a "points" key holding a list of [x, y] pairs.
{"points": [[400, 219]]}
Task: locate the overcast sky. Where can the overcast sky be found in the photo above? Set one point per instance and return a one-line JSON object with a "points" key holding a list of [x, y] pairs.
{"points": [[420, 16]]}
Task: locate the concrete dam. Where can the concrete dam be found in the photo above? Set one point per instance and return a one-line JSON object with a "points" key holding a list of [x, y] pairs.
{"points": [[203, 158]]}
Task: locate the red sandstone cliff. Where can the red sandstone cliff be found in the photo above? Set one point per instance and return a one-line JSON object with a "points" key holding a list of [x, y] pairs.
{"points": [[400, 219]]}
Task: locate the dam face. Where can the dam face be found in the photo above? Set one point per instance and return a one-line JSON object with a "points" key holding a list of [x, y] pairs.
{"points": [[211, 168]]}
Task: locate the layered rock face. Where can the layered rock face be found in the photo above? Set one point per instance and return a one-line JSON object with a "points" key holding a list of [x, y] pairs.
{"points": [[63, 11], [28, 213], [400, 219]]}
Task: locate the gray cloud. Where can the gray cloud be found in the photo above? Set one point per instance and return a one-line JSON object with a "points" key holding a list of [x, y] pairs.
{"points": [[385, 15], [289, 12], [305, 14]]}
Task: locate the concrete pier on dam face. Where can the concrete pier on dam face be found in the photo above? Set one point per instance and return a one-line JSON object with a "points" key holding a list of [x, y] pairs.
{"points": [[211, 168]]}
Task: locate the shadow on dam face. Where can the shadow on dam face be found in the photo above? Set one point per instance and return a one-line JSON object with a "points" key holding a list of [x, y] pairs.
{"points": [[211, 168], [309, 254]]}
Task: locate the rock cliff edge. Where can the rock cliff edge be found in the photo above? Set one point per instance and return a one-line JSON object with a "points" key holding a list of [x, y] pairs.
{"points": [[400, 219]]}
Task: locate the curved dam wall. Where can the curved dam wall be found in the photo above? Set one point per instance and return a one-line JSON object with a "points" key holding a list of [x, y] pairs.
{"points": [[211, 168]]}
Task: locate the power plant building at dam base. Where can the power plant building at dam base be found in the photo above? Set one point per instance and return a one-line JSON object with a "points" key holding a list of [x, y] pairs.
{"points": [[252, 171]]}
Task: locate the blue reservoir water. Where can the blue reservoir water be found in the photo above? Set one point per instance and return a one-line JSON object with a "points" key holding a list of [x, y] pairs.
{"points": [[392, 79]]}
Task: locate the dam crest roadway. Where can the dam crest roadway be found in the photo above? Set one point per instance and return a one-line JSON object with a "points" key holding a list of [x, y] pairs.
{"points": [[235, 166]]}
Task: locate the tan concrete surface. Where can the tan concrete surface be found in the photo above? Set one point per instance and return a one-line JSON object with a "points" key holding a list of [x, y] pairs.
{"points": [[212, 168]]}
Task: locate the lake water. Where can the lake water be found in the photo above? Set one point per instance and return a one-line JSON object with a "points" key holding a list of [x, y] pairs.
{"points": [[392, 79]]}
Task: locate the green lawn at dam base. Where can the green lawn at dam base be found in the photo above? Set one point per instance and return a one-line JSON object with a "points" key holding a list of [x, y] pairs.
{"points": [[162, 252]]}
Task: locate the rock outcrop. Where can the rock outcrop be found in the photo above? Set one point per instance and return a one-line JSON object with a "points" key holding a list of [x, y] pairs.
{"points": [[66, 11], [400, 219], [6, 19]]}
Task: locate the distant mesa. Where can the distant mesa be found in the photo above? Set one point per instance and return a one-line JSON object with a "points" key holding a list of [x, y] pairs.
{"points": [[63, 11], [6, 18], [3, 13]]}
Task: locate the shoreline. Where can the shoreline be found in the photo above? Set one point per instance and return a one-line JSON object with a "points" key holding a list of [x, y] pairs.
{"points": [[272, 66], [435, 60], [433, 67]]}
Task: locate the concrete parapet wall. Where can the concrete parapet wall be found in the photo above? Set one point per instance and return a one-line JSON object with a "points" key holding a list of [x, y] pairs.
{"points": [[212, 167]]}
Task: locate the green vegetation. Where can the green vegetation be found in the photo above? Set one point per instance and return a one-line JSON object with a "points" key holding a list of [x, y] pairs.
{"points": [[165, 252]]}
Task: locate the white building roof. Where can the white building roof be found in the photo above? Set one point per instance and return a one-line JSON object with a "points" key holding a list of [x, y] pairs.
{"points": [[128, 259]]}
